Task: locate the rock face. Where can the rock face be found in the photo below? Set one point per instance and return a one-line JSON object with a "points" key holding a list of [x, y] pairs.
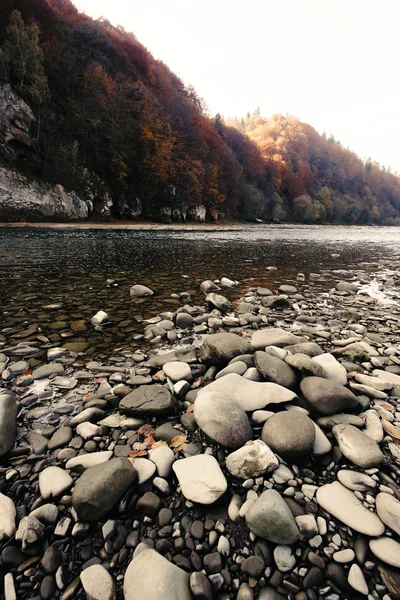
{"points": [[357, 447], [327, 397], [289, 434], [250, 395], [8, 422], [99, 488], [21, 198], [200, 478], [220, 348], [270, 518], [222, 420], [16, 121], [345, 506], [254, 459], [274, 369], [150, 576], [151, 400]]}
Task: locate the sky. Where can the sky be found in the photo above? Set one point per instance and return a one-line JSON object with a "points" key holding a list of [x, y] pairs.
{"points": [[332, 63]]}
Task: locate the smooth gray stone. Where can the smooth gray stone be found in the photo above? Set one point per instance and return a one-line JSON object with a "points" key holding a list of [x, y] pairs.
{"points": [[275, 370], [100, 487], [388, 509], [273, 336], [219, 348], [326, 396], [151, 400], [222, 420], [150, 576], [8, 422], [309, 348], [290, 434], [270, 518], [47, 370], [357, 447]]}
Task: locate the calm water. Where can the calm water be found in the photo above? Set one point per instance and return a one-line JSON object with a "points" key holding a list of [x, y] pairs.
{"points": [[71, 267]]}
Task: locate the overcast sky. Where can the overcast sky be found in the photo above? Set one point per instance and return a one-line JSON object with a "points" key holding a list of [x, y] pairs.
{"points": [[331, 63]]}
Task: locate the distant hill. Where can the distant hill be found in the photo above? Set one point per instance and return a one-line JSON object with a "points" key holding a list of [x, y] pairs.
{"points": [[121, 133]]}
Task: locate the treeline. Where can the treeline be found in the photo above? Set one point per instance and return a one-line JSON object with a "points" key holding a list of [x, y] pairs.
{"points": [[104, 105]]}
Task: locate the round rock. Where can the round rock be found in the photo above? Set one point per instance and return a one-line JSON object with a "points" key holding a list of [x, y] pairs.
{"points": [[289, 434], [269, 517], [327, 397]]}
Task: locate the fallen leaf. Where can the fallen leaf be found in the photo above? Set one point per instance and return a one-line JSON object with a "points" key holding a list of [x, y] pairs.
{"points": [[393, 431], [178, 442], [149, 440], [190, 409], [146, 430], [28, 372], [159, 444], [136, 453], [87, 396]]}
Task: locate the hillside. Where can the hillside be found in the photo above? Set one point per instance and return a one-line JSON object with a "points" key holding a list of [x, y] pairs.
{"points": [[114, 132]]}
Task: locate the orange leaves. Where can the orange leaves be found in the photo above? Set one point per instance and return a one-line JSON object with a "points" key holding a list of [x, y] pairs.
{"points": [[178, 442]]}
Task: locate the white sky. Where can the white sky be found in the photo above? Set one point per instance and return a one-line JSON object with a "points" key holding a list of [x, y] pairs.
{"points": [[331, 63]]}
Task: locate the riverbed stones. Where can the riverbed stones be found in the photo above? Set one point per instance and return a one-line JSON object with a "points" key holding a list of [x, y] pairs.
{"points": [[219, 348], [333, 370], [250, 395], [200, 478], [357, 580], [342, 504], [327, 397], [150, 576], [386, 376], [140, 291], [177, 371], [274, 369], [252, 460], [45, 371], [219, 302], [85, 461], [222, 420], [270, 518], [388, 509], [60, 438], [98, 583], [100, 487], [53, 482], [273, 336], [149, 400], [7, 517], [357, 447], [386, 549], [358, 482], [290, 434], [8, 422]]}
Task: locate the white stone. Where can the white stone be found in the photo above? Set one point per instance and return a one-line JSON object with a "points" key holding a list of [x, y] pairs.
{"points": [[273, 336], [53, 482], [145, 469], [307, 526], [333, 370], [163, 457], [353, 480], [226, 282], [99, 318], [250, 395], [388, 509], [386, 549], [386, 376], [7, 517], [9, 587], [357, 580], [252, 460], [224, 546], [177, 371], [141, 290], [282, 474], [98, 583], [89, 460], [344, 556], [341, 503], [87, 430], [373, 426], [200, 478], [321, 443], [234, 508], [284, 559], [374, 382], [260, 416]]}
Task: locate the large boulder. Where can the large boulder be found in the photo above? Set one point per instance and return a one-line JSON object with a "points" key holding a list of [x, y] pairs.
{"points": [[150, 576], [326, 396], [362, 450], [250, 395], [271, 518], [8, 422], [273, 336], [274, 369], [99, 488], [149, 400], [222, 420], [219, 348], [290, 434], [200, 478]]}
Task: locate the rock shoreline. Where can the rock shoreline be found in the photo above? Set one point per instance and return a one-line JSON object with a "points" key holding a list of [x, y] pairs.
{"points": [[254, 452]]}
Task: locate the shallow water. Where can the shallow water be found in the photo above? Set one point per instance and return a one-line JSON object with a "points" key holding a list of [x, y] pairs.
{"points": [[74, 268]]}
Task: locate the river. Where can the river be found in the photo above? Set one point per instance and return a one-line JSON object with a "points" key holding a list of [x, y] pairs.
{"points": [[85, 270]]}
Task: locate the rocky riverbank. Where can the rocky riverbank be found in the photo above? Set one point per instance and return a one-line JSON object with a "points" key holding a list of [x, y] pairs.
{"points": [[253, 452]]}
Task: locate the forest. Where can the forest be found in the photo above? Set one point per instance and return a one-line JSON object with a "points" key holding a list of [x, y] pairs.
{"points": [[105, 106]]}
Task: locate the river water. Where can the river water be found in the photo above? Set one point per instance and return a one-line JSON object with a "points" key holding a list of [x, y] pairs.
{"points": [[84, 271]]}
